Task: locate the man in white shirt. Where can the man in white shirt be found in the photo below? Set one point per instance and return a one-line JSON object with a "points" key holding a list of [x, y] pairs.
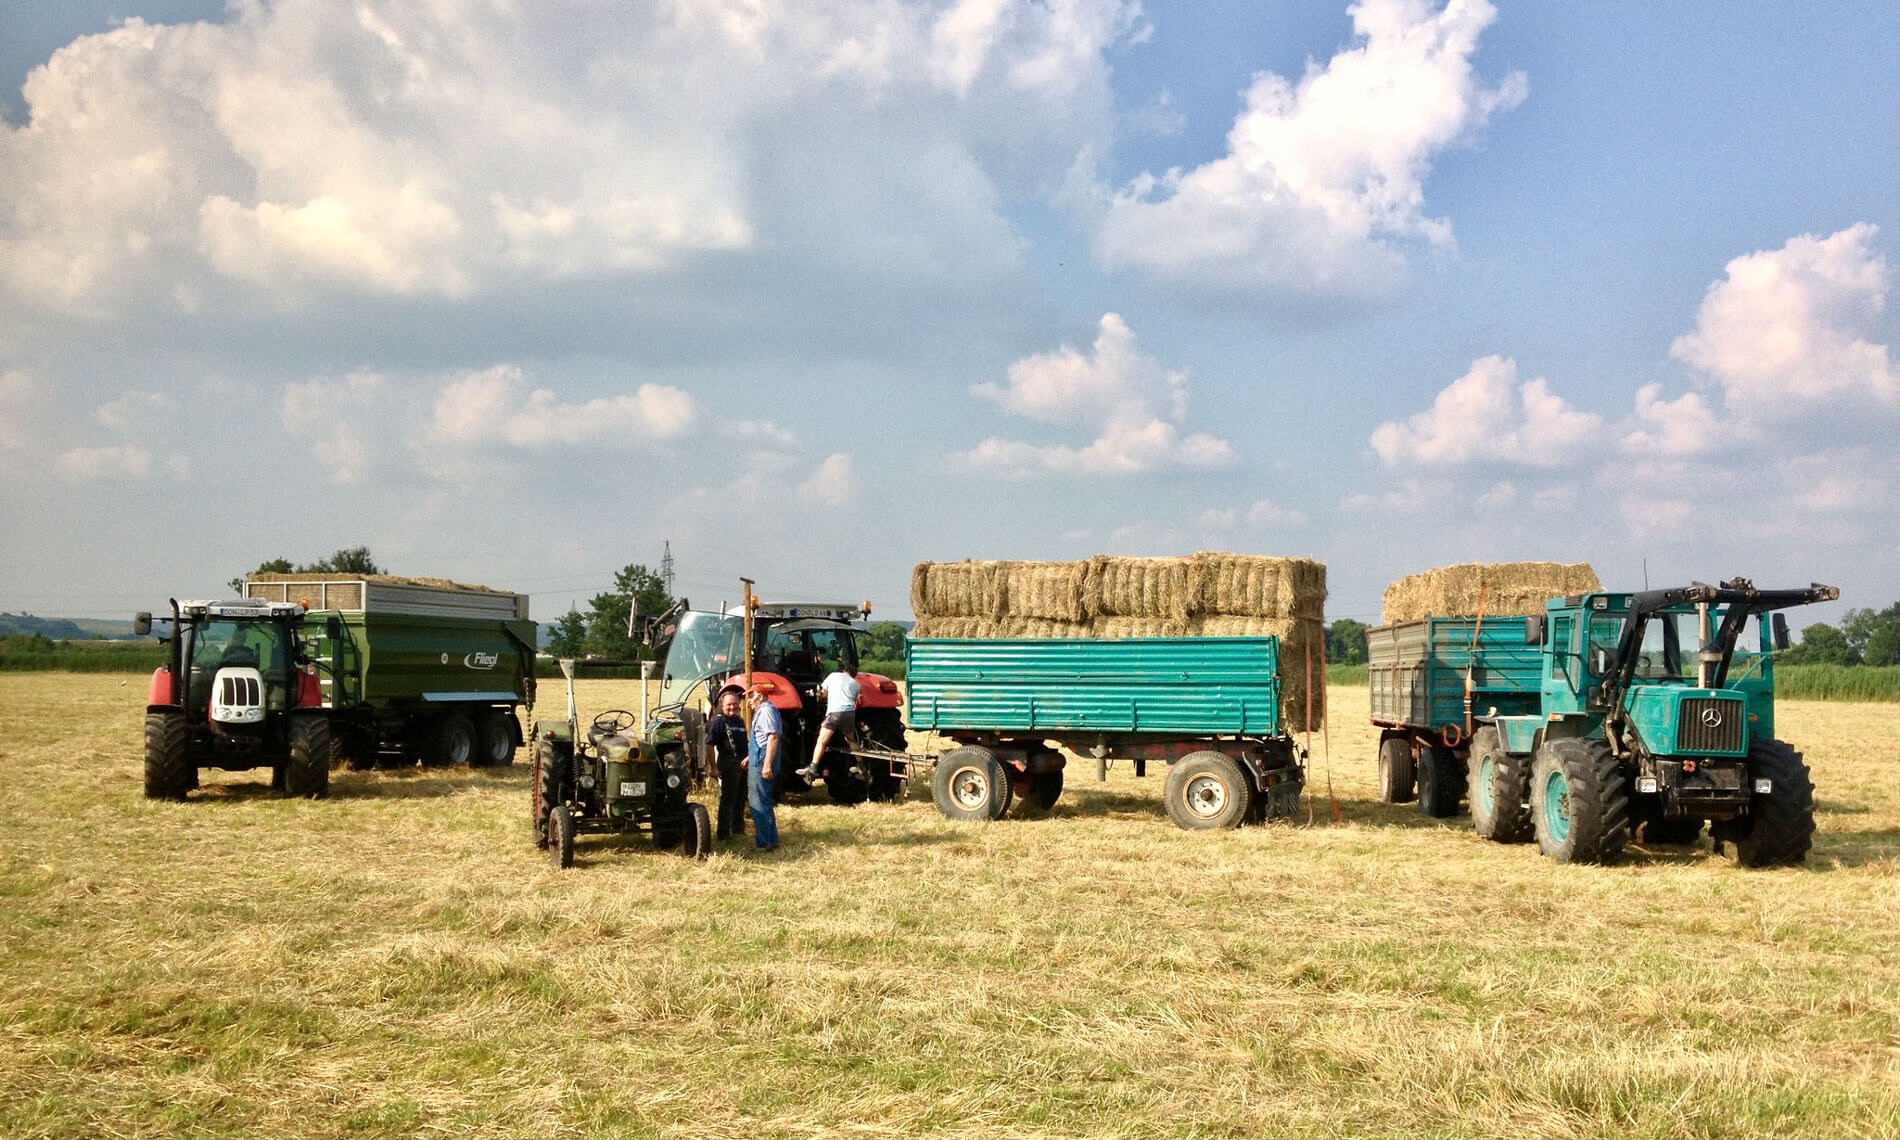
{"points": [[841, 715]]}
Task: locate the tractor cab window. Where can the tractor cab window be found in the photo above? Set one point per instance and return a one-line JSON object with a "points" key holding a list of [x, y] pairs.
{"points": [[786, 652], [1659, 657], [1751, 650], [834, 649], [705, 644], [1606, 633], [228, 644]]}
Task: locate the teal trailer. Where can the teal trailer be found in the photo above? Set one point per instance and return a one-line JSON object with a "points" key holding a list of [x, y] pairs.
{"points": [[1208, 707], [1431, 680]]}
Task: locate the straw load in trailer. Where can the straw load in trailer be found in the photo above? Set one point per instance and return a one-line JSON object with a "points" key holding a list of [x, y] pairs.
{"points": [[1500, 589], [1208, 594]]}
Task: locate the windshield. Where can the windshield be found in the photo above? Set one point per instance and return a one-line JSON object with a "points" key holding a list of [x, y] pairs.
{"points": [[706, 644], [1660, 656], [220, 644], [1605, 633]]}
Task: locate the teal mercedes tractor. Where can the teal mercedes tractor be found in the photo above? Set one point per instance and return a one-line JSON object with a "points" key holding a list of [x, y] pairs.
{"points": [[1650, 714]]}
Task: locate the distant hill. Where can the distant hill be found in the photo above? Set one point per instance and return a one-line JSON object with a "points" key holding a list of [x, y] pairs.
{"points": [[65, 629]]}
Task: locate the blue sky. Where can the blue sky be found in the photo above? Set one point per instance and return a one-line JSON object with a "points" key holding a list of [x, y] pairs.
{"points": [[817, 290]]}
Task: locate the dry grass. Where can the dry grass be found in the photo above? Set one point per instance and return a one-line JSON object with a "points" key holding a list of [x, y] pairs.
{"points": [[398, 960]]}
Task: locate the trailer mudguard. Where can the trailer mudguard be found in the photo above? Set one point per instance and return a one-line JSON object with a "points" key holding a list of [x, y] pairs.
{"points": [[1519, 733]]}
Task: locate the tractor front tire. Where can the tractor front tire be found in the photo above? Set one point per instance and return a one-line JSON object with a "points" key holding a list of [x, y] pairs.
{"points": [[1441, 782], [560, 829], [1580, 807], [307, 776], [699, 834], [169, 773], [1500, 789], [451, 741], [1207, 790], [545, 790], [1398, 778], [1779, 828], [970, 783], [494, 740]]}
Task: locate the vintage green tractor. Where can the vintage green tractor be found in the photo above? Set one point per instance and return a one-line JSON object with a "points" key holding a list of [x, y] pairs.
{"points": [[606, 780]]}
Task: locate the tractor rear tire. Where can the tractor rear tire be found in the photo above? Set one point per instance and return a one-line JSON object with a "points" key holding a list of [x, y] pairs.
{"points": [[1441, 782], [451, 741], [169, 773], [1207, 790], [307, 776], [970, 783], [699, 835], [560, 829], [1398, 779], [1500, 789], [494, 740], [882, 728], [1779, 828], [1579, 804]]}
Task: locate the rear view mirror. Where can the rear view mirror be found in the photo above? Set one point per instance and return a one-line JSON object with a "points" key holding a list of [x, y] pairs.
{"points": [[142, 623], [1779, 626], [1534, 630]]}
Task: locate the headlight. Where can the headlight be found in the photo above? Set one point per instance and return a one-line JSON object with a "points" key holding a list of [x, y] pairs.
{"points": [[673, 779], [587, 781]]}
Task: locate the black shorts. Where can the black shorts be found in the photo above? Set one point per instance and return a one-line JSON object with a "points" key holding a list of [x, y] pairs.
{"points": [[846, 722]]}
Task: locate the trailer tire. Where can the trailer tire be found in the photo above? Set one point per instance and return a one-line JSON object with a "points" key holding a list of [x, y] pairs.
{"points": [[307, 776], [698, 837], [1579, 805], [1207, 790], [971, 784], [1500, 789], [1045, 788], [1441, 782], [494, 740], [560, 829], [1398, 779], [168, 772], [451, 741], [1778, 831]]}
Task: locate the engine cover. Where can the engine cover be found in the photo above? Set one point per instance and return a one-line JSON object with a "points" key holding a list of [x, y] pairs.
{"points": [[237, 695]]}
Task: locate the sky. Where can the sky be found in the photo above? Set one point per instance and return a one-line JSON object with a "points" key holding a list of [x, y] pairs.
{"points": [[813, 290]]}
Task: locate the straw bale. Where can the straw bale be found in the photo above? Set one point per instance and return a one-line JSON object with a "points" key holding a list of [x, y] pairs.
{"points": [[951, 627], [1256, 585], [1509, 589], [1046, 590], [1137, 587], [1116, 628], [957, 589]]}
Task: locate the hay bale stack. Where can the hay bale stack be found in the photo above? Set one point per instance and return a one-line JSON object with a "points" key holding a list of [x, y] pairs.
{"points": [[1050, 591], [1254, 585], [1137, 588], [1508, 589], [957, 589], [1117, 628], [951, 627]]}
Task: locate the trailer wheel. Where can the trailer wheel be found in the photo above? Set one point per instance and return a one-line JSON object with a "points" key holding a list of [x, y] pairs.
{"points": [[560, 828], [970, 783], [168, 773], [307, 776], [494, 741], [1500, 789], [1045, 788], [1579, 805], [699, 838], [1206, 790], [1398, 781], [451, 741], [1778, 830], [1441, 782]]}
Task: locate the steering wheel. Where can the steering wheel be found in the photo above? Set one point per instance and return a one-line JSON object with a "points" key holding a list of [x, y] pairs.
{"points": [[614, 722]]}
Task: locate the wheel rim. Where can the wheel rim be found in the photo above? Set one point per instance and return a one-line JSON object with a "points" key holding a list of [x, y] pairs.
{"points": [[1487, 770], [459, 748], [1206, 796], [1557, 806], [498, 745], [969, 788]]}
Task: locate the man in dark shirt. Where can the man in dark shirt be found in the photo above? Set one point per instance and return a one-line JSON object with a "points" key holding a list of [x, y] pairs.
{"points": [[726, 736]]}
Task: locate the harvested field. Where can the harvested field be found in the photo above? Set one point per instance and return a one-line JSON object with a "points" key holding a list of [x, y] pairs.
{"points": [[399, 961], [1508, 589]]}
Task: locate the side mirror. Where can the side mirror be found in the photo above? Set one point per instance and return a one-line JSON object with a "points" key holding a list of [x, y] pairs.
{"points": [[142, 623], [1779, 626], [1534, 630]]}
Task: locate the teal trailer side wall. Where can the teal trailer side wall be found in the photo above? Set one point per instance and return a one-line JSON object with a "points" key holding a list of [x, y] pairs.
{"points": [[399, 660], [1205, 686], [1416, 670]]}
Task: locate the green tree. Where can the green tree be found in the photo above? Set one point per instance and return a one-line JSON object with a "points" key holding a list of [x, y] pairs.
{"points": [[568, 637], [1875, 636], [883, 642], [607, 614], [1822, 644], [350, 560], [268, 566], [1346, 642]]}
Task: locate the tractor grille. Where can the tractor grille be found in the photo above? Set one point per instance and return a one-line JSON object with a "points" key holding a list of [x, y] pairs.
{"points": [[1695, 734], [239, 692]]}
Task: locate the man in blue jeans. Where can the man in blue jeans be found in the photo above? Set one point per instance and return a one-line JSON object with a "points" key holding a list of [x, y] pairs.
{"points": [[762, 761]]}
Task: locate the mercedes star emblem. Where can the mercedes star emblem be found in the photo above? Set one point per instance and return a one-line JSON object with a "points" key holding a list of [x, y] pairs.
{"points": [[1711, 717]]}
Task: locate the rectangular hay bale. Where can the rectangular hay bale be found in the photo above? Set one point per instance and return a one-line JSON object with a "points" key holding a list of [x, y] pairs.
{"points": [[957, 589], [1051, 591], [1137, 587], [1506, 589], [1256, 585]]}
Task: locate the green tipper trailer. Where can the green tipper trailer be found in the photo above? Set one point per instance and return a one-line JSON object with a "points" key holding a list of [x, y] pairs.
{"points": [[1208, 707]]}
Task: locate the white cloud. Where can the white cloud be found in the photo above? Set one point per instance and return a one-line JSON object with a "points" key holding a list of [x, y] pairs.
{"points": [[832, 484], [496, 406], [339, 417], [1686, 425], [1129, 398], [1648, 513], [1218, 518], [1499, 495], [1486, 416], [19, 397], [1267, 513], [1411, 496], [1320, 177], [114, 461], [758, 431], [130, 411], [1796, 325]]}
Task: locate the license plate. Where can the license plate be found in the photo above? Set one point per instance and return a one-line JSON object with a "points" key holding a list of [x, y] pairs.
{"points": [[631, 788]]}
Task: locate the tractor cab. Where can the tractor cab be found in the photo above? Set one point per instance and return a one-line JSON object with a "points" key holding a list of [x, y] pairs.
{"points": [[233, 664]]}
